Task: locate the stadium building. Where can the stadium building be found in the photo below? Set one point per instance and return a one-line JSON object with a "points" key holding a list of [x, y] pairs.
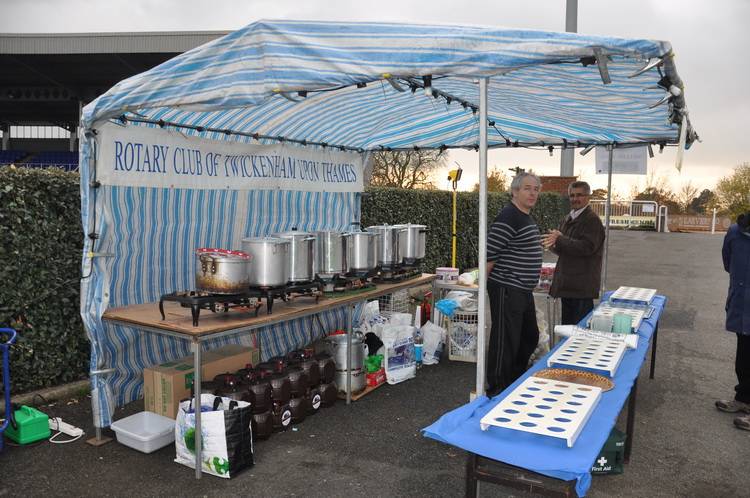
{"points": [[46, 79]]}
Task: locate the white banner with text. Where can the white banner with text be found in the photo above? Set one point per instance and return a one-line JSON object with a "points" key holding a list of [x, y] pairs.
{"points": [[152, 157], [625, 161]]}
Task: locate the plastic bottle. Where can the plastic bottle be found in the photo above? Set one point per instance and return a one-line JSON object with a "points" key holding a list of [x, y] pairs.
{"points": [[418, 342]]}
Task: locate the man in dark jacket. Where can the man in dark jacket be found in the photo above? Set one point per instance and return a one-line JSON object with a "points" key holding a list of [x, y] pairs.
{"points": [[579, 244], [736, 255]]}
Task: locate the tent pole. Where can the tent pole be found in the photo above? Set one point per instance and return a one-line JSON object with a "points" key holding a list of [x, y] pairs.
{"points": [[482, 319], [608, 212]]}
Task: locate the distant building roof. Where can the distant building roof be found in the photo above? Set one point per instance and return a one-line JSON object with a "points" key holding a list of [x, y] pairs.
{"points": [[104, 43], [45, 77]]}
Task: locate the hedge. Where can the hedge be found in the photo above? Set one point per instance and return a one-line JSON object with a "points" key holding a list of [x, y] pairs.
{"points": [[40, 251], [41, 242], [433, 208]]}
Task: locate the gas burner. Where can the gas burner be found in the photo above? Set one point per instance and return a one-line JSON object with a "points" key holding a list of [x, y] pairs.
{"points": [[410, 263], [343, 283], [396, 274], [200, 300], [363, 274], [288, 292]]}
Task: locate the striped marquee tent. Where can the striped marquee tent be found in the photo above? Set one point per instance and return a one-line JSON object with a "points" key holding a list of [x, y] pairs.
{"points": [[352, 88]]}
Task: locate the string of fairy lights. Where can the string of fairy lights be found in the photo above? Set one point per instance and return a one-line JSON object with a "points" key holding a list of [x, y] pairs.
{"points": [[424, 85]]}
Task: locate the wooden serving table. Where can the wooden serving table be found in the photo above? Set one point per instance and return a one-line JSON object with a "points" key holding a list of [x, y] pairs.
{"points": [[178, 323]]}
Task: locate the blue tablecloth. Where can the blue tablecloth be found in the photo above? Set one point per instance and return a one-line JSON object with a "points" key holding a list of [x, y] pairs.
{"points": [[546, 455]]}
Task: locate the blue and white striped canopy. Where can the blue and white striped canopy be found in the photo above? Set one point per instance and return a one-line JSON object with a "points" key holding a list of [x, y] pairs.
{"points": [[305, 81]]}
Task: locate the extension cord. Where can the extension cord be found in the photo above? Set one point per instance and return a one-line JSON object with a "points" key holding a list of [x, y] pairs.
{"points": [[56, 424]]}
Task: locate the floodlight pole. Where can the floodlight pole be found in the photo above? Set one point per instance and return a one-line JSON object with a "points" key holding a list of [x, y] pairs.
{"points": [[567, 154], [454, 235], [482, 318], [607, 212]]}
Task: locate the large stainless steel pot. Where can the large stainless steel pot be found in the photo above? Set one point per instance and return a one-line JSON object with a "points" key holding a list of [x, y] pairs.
{"points": [[337, 346], [362, 251], [221, 271], [388, 244], [358, 380], [269, 266], [411, 242], [301, 255], [330, 254]]}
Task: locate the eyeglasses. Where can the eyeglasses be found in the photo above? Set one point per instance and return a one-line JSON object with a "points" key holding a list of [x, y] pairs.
{"points": [[578, 195]]}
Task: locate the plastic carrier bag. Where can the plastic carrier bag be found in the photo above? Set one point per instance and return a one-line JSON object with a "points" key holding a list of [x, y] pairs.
{"points": [[398, 345], [226, 435], [434, 343]]}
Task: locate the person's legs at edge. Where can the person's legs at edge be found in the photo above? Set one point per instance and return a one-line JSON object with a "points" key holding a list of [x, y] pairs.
{"points": [[494, 351], [742, 369], [742, 389], [573, 310]]}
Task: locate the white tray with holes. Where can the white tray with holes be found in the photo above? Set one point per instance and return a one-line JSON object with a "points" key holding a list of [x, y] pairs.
{"points": [[586, 352], [633, 295], [547, 407]]}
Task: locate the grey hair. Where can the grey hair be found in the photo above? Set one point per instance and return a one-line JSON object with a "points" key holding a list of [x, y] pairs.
{"points": [[515, 185], [580, 184]]}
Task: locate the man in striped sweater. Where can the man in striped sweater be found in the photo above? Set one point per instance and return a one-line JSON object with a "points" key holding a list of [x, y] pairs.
{"points": [[514, 256]]}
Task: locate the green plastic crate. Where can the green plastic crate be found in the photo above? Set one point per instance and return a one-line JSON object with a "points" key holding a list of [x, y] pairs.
{"points": [[33, 426]]}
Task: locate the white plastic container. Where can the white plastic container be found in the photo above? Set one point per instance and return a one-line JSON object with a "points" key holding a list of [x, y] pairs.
{"points": [[447, 274], [144, 431]]}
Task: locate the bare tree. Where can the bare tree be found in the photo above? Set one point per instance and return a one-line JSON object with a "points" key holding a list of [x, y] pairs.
{"points": [[406, 169], [653, 184], [685, 196]]}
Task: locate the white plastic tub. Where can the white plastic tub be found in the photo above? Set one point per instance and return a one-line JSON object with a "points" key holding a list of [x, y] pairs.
{"points": [[144, 431]]}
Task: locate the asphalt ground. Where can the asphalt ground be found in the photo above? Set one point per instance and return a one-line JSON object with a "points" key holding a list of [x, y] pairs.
{"points": [[682, 445]]}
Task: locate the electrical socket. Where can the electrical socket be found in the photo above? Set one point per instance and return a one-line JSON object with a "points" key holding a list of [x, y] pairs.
{"points": [[57, 424]]}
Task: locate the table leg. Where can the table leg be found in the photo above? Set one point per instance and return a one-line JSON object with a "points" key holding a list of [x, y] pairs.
{"points": [[471, 478], [481, 469], [349, 332], [630, 426], [550, 322], [197, 406], [653, 351]]}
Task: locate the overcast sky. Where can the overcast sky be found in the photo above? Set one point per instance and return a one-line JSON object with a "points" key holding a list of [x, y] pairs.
{"points": [[709, 38]]}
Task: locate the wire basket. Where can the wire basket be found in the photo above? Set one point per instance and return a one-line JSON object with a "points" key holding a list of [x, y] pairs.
{"points": [[462, 336], [398, 302]]}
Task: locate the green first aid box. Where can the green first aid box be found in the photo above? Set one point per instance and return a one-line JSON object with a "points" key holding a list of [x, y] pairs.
{"points": [[612, 456], [32, 426]]}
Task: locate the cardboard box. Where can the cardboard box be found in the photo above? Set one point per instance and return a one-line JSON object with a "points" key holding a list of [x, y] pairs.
{"points": [[148, 389], [169, 383]]}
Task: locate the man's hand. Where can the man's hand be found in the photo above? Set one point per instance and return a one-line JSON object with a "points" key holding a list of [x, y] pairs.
{"points": [[550, 238]]}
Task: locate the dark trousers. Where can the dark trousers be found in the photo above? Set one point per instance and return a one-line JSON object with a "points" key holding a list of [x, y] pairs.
{"points": [[513, 337], [742, 368], [573, 310]]}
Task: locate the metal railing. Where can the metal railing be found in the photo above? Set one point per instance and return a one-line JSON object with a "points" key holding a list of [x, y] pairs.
{"points": [[641, 215]]}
